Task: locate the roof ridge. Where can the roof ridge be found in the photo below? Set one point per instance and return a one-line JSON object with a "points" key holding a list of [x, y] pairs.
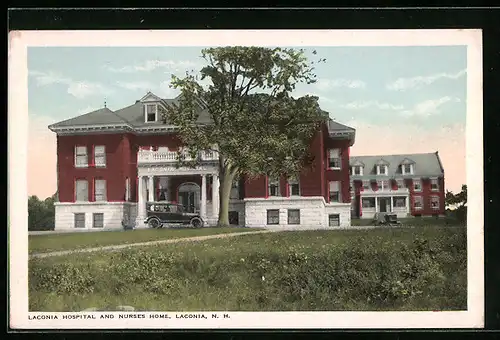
{"points": [[83, 115]]}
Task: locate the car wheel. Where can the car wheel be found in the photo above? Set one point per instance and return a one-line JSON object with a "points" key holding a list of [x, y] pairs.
{"points": [[154, 223], [196, 222]]}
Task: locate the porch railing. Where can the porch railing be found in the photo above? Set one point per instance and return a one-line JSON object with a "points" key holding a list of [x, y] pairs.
{"points": [[148, 156]]}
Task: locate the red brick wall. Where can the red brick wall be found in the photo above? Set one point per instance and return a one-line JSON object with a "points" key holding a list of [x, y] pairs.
{"points": [[114, 173], [255, 187], [338, 175]]}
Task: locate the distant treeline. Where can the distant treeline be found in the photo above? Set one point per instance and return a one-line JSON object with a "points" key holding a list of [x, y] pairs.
{"points": [[41, 214]]}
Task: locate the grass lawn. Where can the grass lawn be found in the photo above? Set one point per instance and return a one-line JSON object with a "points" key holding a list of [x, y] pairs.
{"points": [[56, 242], [379, 269]]}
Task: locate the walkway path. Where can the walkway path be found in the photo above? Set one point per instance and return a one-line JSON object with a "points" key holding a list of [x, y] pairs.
{"points": [[148, 243]]}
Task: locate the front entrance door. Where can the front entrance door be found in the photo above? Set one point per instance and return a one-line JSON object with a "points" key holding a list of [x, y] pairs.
{"points": [[382, 204], [187, 200], [189, 197]]}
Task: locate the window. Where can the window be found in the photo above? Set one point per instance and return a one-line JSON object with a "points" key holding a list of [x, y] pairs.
{"points": [[366, 185], [334, 220], [382, 169], [293, 216], [417, 185], [368, 202], [99, 155], [417, 202], [80, 220], [151, 110], [82, 190], [435, 202], [98, 221], [100, 190], [400, 183], [274, 187], [383, 185], [235, 190], [406, 169], [334, 191], [293, 186], [127, 189], [273, 216], [434, 184], [399, 202], [334, 159], [357, 170], [81, 157]]}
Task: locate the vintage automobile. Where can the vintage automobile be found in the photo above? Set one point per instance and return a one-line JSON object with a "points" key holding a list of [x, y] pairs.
{"points": [[161, 214], [388, 219]]}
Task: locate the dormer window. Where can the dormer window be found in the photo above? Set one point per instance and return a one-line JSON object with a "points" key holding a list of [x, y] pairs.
{"points": [[357, 170], [151, 112], [382, 169], [407, 167]]}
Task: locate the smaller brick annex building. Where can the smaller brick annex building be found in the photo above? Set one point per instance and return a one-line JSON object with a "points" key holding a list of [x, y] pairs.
{"points": [[110, 163]]}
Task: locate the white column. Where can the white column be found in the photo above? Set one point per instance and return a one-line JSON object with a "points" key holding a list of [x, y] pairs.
{"points": [[151, 189], [407, 199], [392, 203], [376, 204], [167, 186], [141, 203], [215, 195], [203, 206]]}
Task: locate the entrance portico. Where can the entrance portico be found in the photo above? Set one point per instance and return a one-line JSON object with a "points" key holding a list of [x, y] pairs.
{"points": [[174, 187]]}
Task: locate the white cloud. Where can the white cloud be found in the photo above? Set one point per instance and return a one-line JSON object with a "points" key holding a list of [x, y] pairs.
{"points": [[328, 84], [138, 85], [151, 65], [428, 107], [88, 109], [402, 84], [358, 105], [78, 89], [165, 91]]}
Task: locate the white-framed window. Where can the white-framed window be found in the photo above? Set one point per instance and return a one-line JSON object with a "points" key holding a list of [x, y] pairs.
{"points": [[273, 216], [334, 220], [418, 202], [127, 189], [400, 183], [382, 169], [81, 157], [368, 202], [417, 185], [434, 184], [100, 190], [235, 190], [334, 161], [407, 169], [357, 170], [100, 156], [399, 202], [293, 216], [98, 220], [293, 186], [273, 186], [366, 185], [334, 191], [79, 220], [434, 202], [384, 185], [81, 190], [151, 112]]}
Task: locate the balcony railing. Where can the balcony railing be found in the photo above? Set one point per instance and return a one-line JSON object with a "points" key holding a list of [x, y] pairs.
{"points": [[147, 156]]}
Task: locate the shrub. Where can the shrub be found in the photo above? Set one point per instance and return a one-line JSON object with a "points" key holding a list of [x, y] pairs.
{"points": [[62, 278]]}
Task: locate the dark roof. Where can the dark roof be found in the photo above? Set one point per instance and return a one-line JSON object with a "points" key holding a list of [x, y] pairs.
{"points": [[425, 165], [101, 116], [334, 126]]}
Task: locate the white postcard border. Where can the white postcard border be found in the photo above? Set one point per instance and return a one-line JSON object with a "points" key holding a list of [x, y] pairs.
{"points": [[18, 122]]}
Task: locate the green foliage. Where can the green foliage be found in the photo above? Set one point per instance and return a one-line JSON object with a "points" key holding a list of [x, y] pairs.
{"points": [[41, 214], [459, 202], [422, 269], [254, 122]]}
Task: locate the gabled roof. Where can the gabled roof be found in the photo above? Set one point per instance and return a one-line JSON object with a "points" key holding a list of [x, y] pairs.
{"points": [[358, 163], [425, 165], [334, 126], [382, 161], [407, 161]]}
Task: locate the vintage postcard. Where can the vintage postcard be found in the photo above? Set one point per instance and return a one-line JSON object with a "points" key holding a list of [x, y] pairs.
{"points": [[245, 179]]}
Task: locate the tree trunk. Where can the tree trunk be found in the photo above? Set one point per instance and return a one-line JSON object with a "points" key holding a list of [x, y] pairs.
{"points": [[224, 196]]}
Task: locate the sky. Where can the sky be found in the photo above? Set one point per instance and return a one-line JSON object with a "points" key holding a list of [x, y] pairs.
{"points": [[406, 99]]}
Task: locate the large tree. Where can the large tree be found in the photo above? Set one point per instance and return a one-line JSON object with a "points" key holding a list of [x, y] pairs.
{"points": [[248, 112], [458, 201]]}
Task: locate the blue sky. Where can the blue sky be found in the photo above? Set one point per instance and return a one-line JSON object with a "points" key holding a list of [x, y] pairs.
{"points": [[407, 93]]}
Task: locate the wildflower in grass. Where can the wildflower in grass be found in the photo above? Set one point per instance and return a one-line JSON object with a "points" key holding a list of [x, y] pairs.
{"points": [[263, 278]]}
